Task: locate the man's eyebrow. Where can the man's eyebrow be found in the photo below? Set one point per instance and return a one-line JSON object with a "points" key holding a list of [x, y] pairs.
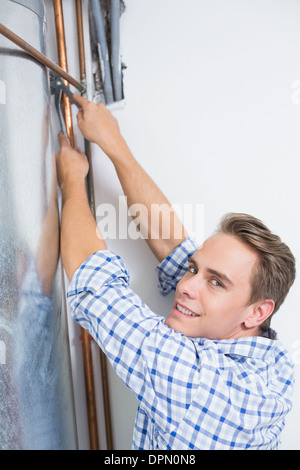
{"points": [[221, 276]]}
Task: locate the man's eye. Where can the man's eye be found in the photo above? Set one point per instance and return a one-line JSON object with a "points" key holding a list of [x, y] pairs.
{"points": [[216, 283], [192, 270]]}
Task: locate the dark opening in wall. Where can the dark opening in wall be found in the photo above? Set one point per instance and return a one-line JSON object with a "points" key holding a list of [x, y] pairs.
{"points": [[104, 18]]}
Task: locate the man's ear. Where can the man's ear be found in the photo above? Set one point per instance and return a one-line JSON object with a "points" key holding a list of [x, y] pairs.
{"points": [[261, 310]]}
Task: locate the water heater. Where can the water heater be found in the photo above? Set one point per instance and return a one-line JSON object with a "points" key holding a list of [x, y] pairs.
{"points": [[36, 399]]}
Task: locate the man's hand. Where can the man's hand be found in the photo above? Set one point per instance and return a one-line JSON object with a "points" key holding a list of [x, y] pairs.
{"points": [[98, 125], [72, 165]]}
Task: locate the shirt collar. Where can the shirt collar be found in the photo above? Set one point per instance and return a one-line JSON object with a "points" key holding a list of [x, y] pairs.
{"points": [[257, 347]]}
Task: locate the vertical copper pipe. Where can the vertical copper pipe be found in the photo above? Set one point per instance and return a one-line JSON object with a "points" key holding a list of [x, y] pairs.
{"points": [[106, 401], [80, 39], [90, 389], [85, 337], [81, 53], [104, 375], [62, 58]]}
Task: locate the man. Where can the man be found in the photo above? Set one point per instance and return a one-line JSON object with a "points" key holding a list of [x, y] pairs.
{"points": [[211, 375]]}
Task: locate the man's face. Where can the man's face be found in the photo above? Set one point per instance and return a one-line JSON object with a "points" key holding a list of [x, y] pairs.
{"points": [[211, 300]]}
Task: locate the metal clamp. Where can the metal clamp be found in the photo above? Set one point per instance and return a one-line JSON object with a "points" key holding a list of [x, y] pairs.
{"points": [[58, 87]]}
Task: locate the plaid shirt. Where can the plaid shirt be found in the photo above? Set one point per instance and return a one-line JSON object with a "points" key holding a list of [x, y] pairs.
{"points": [[193, 393]]}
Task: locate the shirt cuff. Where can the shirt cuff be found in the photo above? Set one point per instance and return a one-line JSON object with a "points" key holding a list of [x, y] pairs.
{"points": [[102, 267], [172, 268]]}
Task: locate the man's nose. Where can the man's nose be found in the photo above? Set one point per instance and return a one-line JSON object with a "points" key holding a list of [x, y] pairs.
{"points": [[190, 287]]}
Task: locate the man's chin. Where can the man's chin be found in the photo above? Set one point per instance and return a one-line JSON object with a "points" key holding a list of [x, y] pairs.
{"points": [[180, 327]]}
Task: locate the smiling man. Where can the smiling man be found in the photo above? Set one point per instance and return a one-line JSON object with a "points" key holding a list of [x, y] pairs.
{"points": [[212, 375], [214, 293]]}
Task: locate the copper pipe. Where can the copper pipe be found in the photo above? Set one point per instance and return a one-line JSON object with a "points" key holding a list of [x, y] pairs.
{"points": [[104, 375], [39, 56], [81, 53], [85, 337], [80, 40], [90, 389], [62, 58], [106, 401]]}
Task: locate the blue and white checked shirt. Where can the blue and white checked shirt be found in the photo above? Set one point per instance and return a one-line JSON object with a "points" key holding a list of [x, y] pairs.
{"points": [[193, 393]]}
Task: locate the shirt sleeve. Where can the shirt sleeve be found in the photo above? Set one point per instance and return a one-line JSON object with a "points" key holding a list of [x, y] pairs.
{"points": [[154, 361], [173, 268]]}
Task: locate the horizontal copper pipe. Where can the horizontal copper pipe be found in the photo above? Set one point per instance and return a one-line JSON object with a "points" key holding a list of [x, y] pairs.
{"points": [[39, 56]]}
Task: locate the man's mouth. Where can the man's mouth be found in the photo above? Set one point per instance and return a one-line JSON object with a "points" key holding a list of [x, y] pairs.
{"points": [[184, 310]]}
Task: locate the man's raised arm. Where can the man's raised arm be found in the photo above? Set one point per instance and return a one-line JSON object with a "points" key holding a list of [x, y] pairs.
{"points": [[158, 222], [79, 236]]}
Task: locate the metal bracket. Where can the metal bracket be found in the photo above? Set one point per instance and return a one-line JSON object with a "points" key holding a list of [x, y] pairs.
{"points": [[58, 87]]}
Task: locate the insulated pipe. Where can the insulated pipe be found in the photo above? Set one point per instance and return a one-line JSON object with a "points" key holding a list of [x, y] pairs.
{"points": [[104, 57], [104, 377], [85, 337], [115, 48]]}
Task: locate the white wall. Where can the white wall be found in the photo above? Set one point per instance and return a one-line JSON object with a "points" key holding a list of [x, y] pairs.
{"points": [[212, 116]]}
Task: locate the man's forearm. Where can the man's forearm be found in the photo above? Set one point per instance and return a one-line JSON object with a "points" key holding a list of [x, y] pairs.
{"points": [[79, 235], [98, 125], [158, 222]]}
